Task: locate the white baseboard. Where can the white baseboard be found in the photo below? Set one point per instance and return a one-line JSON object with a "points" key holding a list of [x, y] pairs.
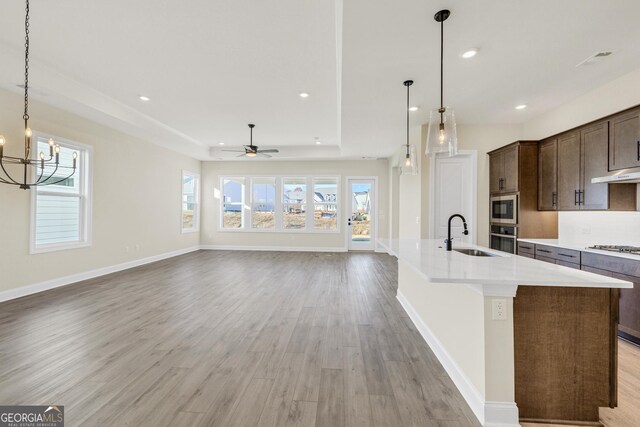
{"points": [[490, 414], [67, 280], [273, 248]]}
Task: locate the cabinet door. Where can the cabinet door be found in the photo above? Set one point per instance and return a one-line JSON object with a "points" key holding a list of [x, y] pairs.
{"points": [[496, 172], [547, 175], [510, 176], [594, 153], [624, 141], [568, 171]]}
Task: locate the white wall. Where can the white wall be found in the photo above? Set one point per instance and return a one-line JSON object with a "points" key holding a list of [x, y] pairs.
{"points": [[212, 171], [136, 199], [615, 96], [584, 229]]}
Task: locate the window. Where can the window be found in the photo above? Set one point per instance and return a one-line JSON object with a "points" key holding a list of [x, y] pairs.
{"points": [[294, 199], [279, 203], [61, 211], [190, 202], [263, 214], [232, 202], [325, 203]]}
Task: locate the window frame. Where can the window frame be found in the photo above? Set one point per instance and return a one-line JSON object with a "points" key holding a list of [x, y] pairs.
{"points": [[247, 219], [85, 178], [196, 223], [252, 203]]}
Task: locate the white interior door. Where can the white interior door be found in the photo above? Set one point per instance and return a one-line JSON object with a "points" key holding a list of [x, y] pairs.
{"points": [[361, 211], [453, 192]]}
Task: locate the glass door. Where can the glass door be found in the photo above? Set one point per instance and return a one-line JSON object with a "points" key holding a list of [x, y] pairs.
{"points": [[361, 221]]}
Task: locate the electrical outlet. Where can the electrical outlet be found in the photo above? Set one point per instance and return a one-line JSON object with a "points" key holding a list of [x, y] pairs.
{"points": [[499, 309]]}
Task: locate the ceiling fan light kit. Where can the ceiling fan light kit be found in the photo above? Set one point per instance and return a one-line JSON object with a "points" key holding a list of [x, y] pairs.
{"points": [[33, 171], [253, 150], [441, 136]]}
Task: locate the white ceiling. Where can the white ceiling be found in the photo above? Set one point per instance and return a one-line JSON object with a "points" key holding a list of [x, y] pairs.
{"points": [[211, 67]]}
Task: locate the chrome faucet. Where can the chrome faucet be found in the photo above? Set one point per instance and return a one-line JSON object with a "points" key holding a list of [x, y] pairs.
{"points": [[449, 238]]}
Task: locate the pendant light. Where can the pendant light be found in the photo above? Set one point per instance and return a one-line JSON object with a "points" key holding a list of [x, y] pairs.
{"points": [[441, 137], [409, 163], [47, 169]]}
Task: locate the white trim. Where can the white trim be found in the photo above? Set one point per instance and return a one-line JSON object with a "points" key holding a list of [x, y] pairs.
{"points": [[273, 248], [78, 277], [473, 154], [490, 414]]}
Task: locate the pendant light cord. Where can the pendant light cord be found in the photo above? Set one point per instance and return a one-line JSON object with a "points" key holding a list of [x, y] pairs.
{"points": [[408, 119], [26, 64], [441, 111]]}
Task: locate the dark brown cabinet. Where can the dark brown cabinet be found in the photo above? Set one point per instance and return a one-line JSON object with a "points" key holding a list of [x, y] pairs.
{"points": [[593, 163], [624, 141], [582, 155], [503, 171], [568, 171], [548, 175]]}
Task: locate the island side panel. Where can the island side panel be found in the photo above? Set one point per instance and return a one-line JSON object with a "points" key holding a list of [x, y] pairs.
{"points": [[454, 320], [565, 349]]}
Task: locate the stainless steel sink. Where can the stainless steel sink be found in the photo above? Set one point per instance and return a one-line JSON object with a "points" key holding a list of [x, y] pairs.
{"points": [[474, 252]]}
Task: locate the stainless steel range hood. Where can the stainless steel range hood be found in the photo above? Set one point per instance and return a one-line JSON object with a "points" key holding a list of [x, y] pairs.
{"points": [[620, 177]]}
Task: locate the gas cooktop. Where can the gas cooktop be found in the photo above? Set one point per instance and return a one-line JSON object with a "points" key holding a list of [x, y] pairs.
{"points": [[635, 250]]}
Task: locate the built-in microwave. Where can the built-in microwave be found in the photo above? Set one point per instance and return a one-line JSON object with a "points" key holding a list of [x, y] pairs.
{"points": [[504, 209]]}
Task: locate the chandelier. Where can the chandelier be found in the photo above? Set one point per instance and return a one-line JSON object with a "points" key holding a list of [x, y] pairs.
{"points": [[31, 171]]}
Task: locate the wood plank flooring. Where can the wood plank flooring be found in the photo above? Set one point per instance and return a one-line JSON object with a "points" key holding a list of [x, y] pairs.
{"points": [[218, 338]]}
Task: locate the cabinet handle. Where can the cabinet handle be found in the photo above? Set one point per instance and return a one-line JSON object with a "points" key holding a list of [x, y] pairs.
{"points": [[575, 198], [639, 150], [567, 255], [525, 247], [500, 187], [544, 250], [554, 199], [581, 197]]}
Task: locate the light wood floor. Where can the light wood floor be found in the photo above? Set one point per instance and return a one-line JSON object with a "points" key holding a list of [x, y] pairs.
{"points": [[229, 339]]}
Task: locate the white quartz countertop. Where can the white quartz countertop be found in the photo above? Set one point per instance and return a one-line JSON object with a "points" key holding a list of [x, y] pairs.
{"points": [[559, 244], [434, 263]]}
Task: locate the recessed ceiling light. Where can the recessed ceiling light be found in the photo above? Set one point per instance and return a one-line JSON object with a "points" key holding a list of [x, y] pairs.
{"points": [[415, 108], [304, 94], [521, 106], [220, 143], [469, 53], [144, 98]]}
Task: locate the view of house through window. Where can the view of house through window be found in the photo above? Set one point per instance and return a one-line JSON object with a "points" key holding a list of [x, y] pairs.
{"points": [[60, 209], [263, 213], [294, 199], [325, 203], [280, 203], [233, 199]]}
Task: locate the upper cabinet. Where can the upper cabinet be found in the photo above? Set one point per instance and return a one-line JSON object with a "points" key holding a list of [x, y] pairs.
{"points": [[503, 171], [548, 176], [624, 140], [582, 155]]}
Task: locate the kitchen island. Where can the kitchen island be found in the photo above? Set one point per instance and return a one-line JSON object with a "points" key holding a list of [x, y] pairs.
{"points": [[520, 338]]}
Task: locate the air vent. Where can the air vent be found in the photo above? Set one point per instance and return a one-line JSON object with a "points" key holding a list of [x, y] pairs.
{"points": [[596, 57]]}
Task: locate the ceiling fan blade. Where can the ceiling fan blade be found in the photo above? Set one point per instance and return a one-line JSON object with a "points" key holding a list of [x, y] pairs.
{"points": [[234, 151], [242, 155], [260, 153], [272, 150]]}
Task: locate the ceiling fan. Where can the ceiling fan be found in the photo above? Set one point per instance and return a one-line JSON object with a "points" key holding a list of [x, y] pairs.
{"points": [[252, 150]]}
